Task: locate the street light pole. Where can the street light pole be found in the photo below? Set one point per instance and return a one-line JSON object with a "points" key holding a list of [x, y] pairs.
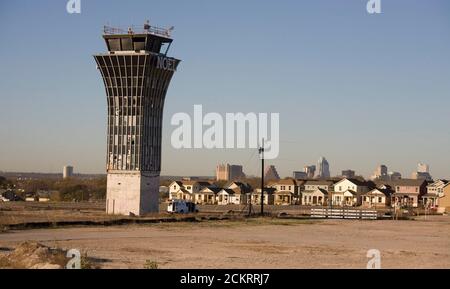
{"points": [[261, 151]]}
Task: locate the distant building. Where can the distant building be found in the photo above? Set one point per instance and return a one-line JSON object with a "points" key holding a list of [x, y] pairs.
{"points": [[349, 174], [310, 171], [271, 174], [323, 169], [394, 176], [300, 175], [67, 172], [423, 168], [422, 173], [226, 172], [381, 173]]}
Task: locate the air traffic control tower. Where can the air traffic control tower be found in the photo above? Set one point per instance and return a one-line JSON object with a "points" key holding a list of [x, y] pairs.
{"points": [[136, 73]]}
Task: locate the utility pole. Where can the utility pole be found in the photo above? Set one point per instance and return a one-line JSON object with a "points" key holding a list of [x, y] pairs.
{"points": [[261, 151]]}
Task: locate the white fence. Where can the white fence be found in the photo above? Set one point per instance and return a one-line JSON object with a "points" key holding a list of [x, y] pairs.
{"points": [[344, 214]]}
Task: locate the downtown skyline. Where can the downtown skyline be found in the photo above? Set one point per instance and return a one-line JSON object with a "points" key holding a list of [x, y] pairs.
{"points": [[361, 90]]}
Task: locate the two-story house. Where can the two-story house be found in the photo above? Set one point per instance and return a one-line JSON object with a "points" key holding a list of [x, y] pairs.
{"points": [[435, 191], [408, 192], [348, 192]]}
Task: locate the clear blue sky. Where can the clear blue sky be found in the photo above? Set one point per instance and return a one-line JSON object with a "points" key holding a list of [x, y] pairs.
{"points": [[359, 89]]}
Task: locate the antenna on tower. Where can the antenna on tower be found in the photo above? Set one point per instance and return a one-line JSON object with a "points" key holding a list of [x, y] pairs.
{"points": [[169, 31], [147, 25]]}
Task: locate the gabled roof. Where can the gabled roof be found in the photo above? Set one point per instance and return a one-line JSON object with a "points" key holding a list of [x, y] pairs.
{"points": [[325, 192], [177, 182], [438, 182], [183, 190], [351, 192], [386, 192], [353, 181], [210, 189], [229, 191], [245, 187]]}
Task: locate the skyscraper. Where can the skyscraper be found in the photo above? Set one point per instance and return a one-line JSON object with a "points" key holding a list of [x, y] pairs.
{"points": [[381, 173], [423, 173], [310, 171], [271, 174], [136, 72], [323, 169]]}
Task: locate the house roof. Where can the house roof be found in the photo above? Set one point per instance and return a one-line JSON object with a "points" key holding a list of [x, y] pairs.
{"points": [[189, 183], [402, 182], [408, 182], [386, 192], [183, 190], [319, 183], [354, 181], [438, 182], [229, 191], [204, 184], [351, 192], [245, 187], [210, 189], [177, 182], [289, 182], [325, 192]]}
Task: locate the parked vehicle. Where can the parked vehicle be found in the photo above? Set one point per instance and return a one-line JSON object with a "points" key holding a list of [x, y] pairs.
{"points": [[181, 207]]}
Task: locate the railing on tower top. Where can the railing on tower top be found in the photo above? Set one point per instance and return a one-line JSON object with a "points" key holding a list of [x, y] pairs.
{"points": [[143, 29]]}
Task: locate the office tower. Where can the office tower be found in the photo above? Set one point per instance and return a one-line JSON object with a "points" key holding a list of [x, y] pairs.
{"points": [[271, 174], [299, 175], [310, 171], [226, 172], [323, 169]]}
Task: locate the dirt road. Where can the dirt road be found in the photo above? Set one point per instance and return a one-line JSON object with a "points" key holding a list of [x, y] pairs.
{"points": [[255, 244]]}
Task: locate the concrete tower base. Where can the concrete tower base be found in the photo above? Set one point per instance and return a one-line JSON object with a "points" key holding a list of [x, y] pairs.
{"points": [[132, 193]]}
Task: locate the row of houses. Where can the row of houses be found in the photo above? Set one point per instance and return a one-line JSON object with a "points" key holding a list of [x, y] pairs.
{"points": [[12, 196], [345, 192]]}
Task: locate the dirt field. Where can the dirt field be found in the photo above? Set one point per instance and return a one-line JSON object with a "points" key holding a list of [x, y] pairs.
{"points": [[258, 243]]}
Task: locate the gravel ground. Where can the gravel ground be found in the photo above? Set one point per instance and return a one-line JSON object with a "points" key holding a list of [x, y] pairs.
{"points": [[258, 243]]}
